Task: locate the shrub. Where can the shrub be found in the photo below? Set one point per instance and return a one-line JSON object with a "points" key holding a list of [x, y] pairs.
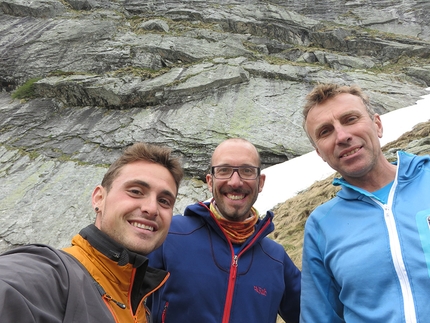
{"points": [[25, 91]]}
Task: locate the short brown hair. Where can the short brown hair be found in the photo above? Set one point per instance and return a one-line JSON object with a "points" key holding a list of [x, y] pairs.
{"points": [[146, 152], [323, 92]]}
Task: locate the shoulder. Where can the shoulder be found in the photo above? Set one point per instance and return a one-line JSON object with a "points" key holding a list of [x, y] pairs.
{"points": [[275, 255], [182, 224], [325, 209], [410, 164], [34, 259], [45, 267], [33, 253], [195, 217], [273, 248]]}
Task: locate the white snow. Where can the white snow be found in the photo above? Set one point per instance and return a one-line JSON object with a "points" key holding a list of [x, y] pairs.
{"points": [[285, 180]]}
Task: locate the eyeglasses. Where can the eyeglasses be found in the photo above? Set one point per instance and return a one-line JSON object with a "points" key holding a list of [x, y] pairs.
{"points": [[226, 172]]}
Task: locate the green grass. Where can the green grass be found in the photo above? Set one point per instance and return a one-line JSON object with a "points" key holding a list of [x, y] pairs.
{"points": [[26, 91]]}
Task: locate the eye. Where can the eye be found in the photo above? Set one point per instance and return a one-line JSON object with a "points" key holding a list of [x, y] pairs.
{"points": [[247, 171], [351, 119], [135, 192], [224, 170], [323, 132], [165, 202]]}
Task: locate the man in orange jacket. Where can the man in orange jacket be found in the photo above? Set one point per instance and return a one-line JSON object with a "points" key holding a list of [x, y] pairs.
{"points": [[104, 276]]}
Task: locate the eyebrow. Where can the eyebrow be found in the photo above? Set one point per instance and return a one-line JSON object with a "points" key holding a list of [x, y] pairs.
{"points": [[228, 165], [318, 129], [343, 115], [145, 184]]}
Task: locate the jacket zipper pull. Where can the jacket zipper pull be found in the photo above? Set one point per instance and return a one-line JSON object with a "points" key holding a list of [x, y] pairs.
{"points": [[234, 264], [106, 296], [110, 299]]}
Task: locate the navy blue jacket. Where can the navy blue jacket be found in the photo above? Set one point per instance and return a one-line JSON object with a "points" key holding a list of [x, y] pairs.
{"points": [[211, 282]]}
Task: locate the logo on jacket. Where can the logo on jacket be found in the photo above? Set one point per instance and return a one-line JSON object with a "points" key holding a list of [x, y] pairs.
{"points": [[260, 290]]}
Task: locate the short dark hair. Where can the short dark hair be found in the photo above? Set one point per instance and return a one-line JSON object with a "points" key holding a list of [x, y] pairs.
{"points": [[144, 152]]}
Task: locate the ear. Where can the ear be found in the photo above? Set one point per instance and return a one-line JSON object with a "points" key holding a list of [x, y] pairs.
{"points": [[261, 182], [97, 199], [378, 123], [209, 181]]}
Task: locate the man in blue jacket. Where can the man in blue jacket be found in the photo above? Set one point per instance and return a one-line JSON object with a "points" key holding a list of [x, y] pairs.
{"points": [[366, 254], [223, 267]]}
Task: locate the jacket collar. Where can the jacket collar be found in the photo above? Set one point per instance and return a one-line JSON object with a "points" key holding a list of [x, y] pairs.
{"points": [[202, 210], [408, 166], [110, 248], [146, 279]]}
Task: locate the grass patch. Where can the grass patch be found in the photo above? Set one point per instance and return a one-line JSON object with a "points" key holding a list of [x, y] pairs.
{"points": [[26, 91], [143, 73], [61, 73]]}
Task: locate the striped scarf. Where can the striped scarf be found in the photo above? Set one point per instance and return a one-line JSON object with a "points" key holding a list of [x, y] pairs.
{"points": [[237, 232]]}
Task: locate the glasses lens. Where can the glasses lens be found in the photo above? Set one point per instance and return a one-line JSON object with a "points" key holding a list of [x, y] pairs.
{"points": [[248, 172], [225, 172]]}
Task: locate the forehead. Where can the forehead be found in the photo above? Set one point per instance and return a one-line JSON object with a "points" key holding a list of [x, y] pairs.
{"points": [[154, 174], [235, 153], [335, 107]]}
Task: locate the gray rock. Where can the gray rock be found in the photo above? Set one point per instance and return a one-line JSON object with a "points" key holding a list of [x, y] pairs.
{"points": [[420, 73], [28, 8], [341, 62], [156, 25], [82, 4], [111, 73]]}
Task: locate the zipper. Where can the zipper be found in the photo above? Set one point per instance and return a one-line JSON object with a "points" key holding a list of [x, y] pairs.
{"points": [[233, 272], [399, 265], [163, 314], [397, 257], [110, 299], [107, 297], [149, 316], [234, 264], [230, 290]]}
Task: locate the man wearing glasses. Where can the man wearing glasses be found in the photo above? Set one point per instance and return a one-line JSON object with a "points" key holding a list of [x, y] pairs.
{"points": [[223, 267]]}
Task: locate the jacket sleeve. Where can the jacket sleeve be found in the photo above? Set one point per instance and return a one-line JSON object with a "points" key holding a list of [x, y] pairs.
{"points": [[31, 289], [320, 293], [289, 309]]}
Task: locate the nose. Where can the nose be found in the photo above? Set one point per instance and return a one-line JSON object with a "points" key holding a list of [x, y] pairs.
{"points": [[342, 135], [235, 179], [150, 206]]}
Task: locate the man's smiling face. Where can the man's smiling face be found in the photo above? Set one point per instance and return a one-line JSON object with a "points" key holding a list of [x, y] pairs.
{"points": [[138, 208], [235, 197], [345, 136]]}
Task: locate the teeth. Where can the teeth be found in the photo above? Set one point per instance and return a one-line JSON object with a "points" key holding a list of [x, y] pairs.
{"points": [[142, 226], [351, 152], [235, 197]]}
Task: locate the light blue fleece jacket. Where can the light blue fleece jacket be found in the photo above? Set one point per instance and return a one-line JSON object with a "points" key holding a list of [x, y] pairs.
{"points": [[369, 262]]}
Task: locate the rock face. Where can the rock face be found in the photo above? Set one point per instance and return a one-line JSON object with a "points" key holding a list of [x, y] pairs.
{"points": [[186, 74]]}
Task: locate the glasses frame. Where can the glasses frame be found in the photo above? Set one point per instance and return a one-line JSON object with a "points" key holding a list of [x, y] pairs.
{"points": [[236, 169]]}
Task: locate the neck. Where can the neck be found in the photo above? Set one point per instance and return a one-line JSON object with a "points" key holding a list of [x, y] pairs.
{"points": [[236, 231], [376, 179]]}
